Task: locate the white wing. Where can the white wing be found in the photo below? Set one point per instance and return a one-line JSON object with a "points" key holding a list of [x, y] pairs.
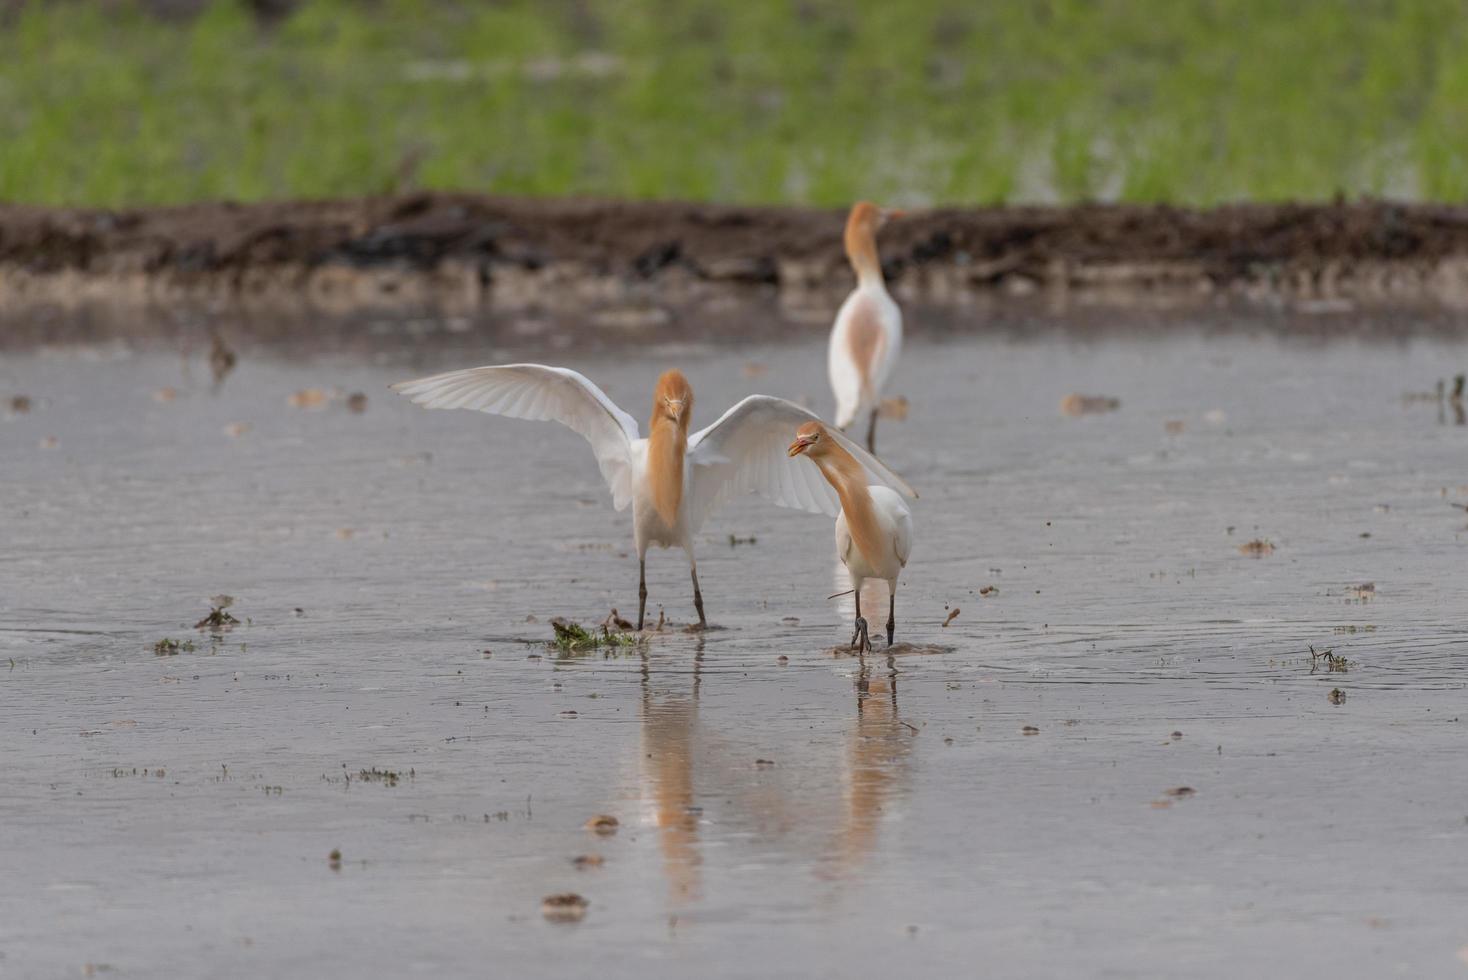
{"points": [[535, 391], [746, 451]]}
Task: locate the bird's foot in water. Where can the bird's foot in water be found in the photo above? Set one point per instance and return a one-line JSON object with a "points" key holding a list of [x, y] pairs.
{"points": [[860, 642]]}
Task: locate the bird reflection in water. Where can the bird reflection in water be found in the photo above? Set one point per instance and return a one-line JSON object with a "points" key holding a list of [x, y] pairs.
{"points": [[873, 758], [877, 754], [669, 721]]}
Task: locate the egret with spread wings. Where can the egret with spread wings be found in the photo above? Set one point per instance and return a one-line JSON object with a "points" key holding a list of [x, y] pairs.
{"points": [[672, 481]]}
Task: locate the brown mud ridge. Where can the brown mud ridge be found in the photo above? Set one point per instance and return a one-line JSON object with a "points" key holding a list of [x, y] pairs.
{"points": [[632, 268]]}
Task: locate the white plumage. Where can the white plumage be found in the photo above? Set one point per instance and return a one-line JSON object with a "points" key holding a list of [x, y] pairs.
{"points": [[866, 339], [742, 452], [874, 528]]}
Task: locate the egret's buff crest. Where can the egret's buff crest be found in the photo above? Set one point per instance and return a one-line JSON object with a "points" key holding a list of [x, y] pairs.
{"points": [[861, 239], [667, 441]]}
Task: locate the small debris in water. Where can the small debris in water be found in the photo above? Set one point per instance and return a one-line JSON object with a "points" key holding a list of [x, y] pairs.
{"points": [[604, 825], [1176, 736], [764, 763], [20, 404], [615, 621], [218, 620], [221, 359], [893, 408], [790, 620], [165, 395], [1029, 730], [386, 777], [1366, 591], [1179, 792], [1077, 404], [782, 660], [236, 429], [48, 442], [1333, 664], [1336, 696], [734, 541], [989, 590], [312, 398], [357, 402], [952, 615], [582, 862], [754, 369], [1257, 548], [172, 648], [567, 907], [334, 859], [569, 713], [1173, 427]]}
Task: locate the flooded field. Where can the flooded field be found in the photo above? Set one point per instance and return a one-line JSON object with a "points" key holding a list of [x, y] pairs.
{"points": [[1119, 760]]}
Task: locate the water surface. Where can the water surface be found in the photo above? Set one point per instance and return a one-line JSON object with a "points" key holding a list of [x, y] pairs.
{"points": [[824, 815]]}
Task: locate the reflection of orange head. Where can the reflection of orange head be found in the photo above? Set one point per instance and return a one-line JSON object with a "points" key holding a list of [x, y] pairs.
{"points": [[667, 439], [877, 755], [861, 236], [667, 748]]}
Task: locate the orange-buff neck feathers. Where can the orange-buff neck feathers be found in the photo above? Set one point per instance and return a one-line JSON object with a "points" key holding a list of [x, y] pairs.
{"points": [[667, 441]]}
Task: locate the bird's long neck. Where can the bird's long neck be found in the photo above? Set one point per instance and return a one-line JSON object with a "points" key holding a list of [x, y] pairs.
{"points": [[666, 444], [861, 251], [843, 472]]}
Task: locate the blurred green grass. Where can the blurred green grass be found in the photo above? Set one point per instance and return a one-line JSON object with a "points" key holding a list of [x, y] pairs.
{"points": [[756, 101]]}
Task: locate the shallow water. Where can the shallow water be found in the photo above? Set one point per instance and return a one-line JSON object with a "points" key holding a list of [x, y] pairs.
{"points": [[173, 815]]}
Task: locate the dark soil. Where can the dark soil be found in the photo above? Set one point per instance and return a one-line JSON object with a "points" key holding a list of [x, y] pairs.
{"points": [[460, 253]]}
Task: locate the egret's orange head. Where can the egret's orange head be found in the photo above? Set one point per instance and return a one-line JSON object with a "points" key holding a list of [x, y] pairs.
{"points": [[867, 217], [811, 439], [673, 398]]}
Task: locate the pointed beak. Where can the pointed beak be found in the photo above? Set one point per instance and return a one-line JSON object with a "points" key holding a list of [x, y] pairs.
{"points": [[675, 408], [799, 446], [887, 214]]}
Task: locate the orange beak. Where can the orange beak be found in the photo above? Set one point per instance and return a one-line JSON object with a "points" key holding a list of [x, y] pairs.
{"points": [[890, 213], [675, 408], [799, 446]]}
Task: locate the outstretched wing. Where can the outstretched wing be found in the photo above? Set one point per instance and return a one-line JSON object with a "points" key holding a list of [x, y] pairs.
{"points": [[535, 391], [745, 451]]}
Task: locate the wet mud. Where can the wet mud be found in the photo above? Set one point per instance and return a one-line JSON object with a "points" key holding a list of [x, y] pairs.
{"points": [[634, 267], [1130, 753]]}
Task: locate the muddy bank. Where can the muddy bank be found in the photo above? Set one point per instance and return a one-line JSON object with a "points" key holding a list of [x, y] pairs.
{"points": [[633, 266]]}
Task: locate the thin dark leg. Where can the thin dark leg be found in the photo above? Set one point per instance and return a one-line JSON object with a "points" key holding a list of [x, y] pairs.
{"points": [[859, 638], [891, 615], [641, 591], [697, 598], [872, 433]]}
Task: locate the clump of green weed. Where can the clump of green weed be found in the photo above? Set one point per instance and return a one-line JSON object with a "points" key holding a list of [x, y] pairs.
{"points": [[575, 638], [167, 647]]}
